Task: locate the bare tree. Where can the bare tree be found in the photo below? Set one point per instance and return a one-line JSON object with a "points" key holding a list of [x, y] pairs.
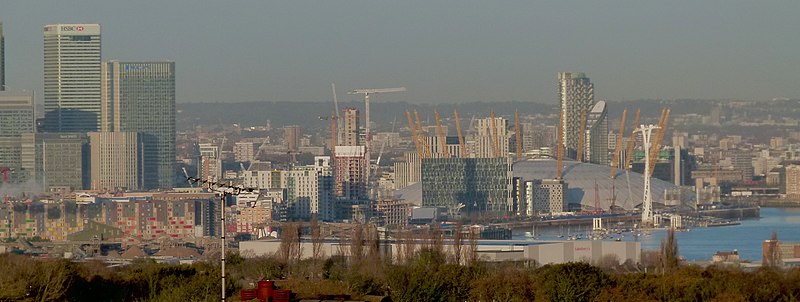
{"points": [[437, 243], [316, 239], [290, 250], [669, 253], [458, 242], [374, 244], [357, 244], [400, 244], [411, 245], [472, 256]]}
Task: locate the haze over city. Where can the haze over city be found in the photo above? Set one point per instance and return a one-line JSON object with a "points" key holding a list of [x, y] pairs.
{"points": [[444, 52], [523, 151]]}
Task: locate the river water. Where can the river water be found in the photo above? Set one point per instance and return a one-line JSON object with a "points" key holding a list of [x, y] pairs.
{"points": [[700, 244]]}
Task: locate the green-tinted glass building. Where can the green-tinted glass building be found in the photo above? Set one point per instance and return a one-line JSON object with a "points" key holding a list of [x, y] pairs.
{"points": [[140, 97], [483, 185]]}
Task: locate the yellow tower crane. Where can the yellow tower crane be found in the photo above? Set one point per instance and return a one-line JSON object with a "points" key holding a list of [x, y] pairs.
{"points": [[618, 146], [495, 145], [629, 151], [414, 136], [423, 137], [463, 153], [518, 134], [442, 138]]}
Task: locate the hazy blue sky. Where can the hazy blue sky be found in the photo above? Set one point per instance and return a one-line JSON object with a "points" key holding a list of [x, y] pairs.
{"points": [[443, 51]]}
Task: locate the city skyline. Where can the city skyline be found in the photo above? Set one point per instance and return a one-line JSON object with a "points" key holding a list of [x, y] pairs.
{"points": [[469, 52]]}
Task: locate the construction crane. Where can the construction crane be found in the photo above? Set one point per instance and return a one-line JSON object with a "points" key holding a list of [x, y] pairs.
{"points": [[662, 127], [493, 136], [335, 100], [414, 136], [463, 153], [442, 138], [334, 116], [629, 151], [518, 134], [581, 137], [560, 148], [618, 146], [383, 145], [367, 92], [423, 137]]}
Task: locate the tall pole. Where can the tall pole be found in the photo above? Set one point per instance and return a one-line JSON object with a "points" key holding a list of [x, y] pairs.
{"points": [[647, 204], [225, 191], [367, 134], [222, 254]]}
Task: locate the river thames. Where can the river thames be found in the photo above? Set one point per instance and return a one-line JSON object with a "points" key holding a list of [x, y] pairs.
{"points": [[699, 244]]}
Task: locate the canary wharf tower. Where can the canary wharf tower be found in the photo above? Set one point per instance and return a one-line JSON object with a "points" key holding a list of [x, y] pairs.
{"points": [[72, 77]]}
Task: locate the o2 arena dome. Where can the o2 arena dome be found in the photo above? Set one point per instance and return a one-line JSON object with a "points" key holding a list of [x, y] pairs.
{"points": [[581, 178]]}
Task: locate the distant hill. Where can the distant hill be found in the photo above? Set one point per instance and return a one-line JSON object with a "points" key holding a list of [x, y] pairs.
{"points": [[308, 113]]}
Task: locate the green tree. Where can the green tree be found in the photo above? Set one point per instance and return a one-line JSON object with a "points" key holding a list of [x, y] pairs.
{"points": [[574, 281]]}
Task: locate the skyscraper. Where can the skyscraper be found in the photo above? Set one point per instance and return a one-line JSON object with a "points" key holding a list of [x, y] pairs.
{"points": [[291, 138], [576, 95], [2, 59], [16, 121], [597, 134], [16, 113], [72, 77], [115, 160], [140, 97]]}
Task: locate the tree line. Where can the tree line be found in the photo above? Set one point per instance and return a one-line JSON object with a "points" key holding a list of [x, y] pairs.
{"points": [[429, 271]]}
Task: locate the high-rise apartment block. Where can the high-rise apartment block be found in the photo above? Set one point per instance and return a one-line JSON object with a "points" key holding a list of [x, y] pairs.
{"points": [[351, 131], [291, 138], [576, 95], [209, 165], [596, 150], [351, 172], [244, 151], [491, 138], [310, 190], [546, 196], [2, 59], [140, 97], [407, 171], [72, 77], [115, 161]]}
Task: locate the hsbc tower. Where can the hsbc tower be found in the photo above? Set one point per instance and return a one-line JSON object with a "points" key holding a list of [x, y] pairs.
{"points": [[72, 77]]}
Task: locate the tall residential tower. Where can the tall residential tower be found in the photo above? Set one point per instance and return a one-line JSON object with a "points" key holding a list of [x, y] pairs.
{"points": [[576, 95], [2, 59], [72, 77], [140, 97]]}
